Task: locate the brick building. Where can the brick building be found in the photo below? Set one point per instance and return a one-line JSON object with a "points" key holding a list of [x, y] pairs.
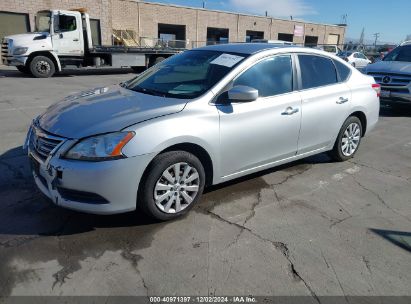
{"points": [[195, 26]]}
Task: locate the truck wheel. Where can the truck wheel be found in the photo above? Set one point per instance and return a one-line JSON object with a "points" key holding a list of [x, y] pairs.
{"points": [[23, 69], [42, 67], [154, 61]]}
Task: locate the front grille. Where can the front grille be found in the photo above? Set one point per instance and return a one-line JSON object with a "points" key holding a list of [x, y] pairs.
{"points": [[43, 143], [4, 49], [397, 80]]}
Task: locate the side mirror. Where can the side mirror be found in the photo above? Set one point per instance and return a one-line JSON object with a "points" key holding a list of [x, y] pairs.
{"points": [[242, 93]]}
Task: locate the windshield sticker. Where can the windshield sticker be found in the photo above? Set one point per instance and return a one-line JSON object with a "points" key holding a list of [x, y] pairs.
{"points": [[227, 60]]}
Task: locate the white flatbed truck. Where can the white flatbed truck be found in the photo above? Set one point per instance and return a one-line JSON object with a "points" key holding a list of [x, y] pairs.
{"points": [[63, 40]]}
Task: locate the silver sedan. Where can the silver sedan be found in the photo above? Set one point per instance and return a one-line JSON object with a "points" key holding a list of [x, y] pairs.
{"points": [[199, 118]]}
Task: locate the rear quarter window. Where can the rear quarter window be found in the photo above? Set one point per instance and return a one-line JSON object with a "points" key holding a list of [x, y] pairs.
{"points": [[343, 71]]}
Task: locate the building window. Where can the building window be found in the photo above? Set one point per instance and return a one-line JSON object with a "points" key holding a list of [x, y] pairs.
{"points": [[173, 35], [251, 35], [217, 35], [285, 37], [311, 41]]}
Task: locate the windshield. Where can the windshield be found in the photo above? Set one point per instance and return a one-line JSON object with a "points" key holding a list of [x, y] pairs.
{"points": [[401, 53], [186, 75], [43, 22]]}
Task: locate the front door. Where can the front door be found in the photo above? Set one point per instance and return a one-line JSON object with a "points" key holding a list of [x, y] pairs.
{"points": [[67, 37], [255, 134]]}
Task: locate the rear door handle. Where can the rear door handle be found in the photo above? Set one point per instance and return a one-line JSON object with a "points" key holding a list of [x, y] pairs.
{"points": [[75, 39], [290, 111], [341, 100]]}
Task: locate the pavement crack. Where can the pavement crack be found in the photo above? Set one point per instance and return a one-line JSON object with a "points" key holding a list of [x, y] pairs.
{"points": [[366, 263], [380, 199], [288, 177], [379, 170], [340, 221], [282, 247], [339, 283], [134, 259]]}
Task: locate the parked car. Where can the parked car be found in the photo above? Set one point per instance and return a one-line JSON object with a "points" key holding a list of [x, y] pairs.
{"points": [[333, 49], [393, 73], [281, 42], [199, 118], [356, 59]]}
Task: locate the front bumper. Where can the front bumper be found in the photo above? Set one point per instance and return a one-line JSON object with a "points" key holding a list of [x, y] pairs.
{"points": [[14, 60], [105, 187]]}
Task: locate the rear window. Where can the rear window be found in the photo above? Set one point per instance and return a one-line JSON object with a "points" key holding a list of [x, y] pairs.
{"points": [[316, 71], [343, 71]]}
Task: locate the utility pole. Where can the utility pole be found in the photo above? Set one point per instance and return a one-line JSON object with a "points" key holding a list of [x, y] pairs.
{"points": [[376, 35]]}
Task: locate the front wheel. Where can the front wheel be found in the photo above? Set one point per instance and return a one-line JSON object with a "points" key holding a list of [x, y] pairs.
{"points": [[172, 185], [348, 139], [42, 67]]}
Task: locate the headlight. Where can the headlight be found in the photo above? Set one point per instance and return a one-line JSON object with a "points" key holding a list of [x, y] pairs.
{"points": [[101, 147], [20, 51]]}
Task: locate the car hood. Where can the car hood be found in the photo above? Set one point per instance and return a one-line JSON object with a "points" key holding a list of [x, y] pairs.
{"points": [[398, 67], [103, 110]]}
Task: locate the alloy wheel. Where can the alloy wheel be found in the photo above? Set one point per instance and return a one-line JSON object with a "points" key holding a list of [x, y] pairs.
{"points": [[176, 188], [350, 139]]}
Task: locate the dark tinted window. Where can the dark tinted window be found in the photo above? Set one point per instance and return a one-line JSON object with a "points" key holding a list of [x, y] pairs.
{"points": [[342, 70], [401, 53], [270, 77], [316, 71]]}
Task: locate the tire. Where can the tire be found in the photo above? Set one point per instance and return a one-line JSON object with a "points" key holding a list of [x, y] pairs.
{"points": [[340, 151], [23, 69], [42, 67], [154, 61], [157, 195], [353, 64]]}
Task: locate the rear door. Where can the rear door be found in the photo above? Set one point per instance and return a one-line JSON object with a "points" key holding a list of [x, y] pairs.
{"points": [[326, 102]]}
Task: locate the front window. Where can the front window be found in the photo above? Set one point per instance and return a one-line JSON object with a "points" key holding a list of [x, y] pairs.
{"points": [[43, 22], [401, 53], [272, 76], [64, 23], [186, 75]]}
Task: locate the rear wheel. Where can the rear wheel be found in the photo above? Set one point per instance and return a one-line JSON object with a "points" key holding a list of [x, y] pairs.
{"points": [[173, 184], [348, 139], [42, 67]]}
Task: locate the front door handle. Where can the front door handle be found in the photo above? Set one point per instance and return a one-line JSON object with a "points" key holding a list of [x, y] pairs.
{"points": [[290, 111], [341, 100], [75, 39]]}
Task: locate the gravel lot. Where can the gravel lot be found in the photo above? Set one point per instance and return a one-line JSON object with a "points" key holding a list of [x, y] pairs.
{"points": [[312, 227]]}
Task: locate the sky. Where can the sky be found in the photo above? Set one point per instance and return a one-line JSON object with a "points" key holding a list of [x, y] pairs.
{"points": [[392, 19]]}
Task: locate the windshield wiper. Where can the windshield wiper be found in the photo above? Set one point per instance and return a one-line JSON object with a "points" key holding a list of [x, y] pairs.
{"points": [[149, 91]]}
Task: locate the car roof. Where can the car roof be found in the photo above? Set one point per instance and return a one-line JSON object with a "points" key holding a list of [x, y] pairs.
{"points": [[243, 48]]}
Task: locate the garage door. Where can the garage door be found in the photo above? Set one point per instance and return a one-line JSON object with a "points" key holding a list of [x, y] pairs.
{"points": [[13, 23], [333, 39]]}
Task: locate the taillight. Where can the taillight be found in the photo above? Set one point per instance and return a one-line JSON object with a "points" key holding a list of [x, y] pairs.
{"points": [[377, 88]]}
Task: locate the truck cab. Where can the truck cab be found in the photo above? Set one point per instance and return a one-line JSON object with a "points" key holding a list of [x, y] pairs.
{"points": [[62, 39]]}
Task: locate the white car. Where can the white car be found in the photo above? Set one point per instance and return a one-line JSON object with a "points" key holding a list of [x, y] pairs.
{"points": [[356, 59]]}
